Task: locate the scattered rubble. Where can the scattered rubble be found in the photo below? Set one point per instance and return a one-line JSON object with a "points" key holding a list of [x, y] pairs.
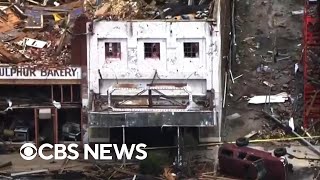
{"points": [[27, 44], [121, 9], [278, 98], [233, 116], [49, 25], [270, 46], [298, 12], [29, 172], [268, 84], [251, 134]]}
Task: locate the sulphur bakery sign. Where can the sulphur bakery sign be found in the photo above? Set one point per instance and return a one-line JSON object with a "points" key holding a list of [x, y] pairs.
{"points": [[33, 73]]}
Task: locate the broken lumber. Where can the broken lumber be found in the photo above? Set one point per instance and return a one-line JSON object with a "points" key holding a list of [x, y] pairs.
{"points": [[134, 174], [63, 36], [307, 143], [216, 178], [167, 174], [124, 171], [5, 177], [9, 57], [6, 164], [63, 166], [29, 172]]}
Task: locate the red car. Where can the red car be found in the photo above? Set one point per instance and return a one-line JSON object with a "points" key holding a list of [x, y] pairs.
{"points": [[247, 163]]}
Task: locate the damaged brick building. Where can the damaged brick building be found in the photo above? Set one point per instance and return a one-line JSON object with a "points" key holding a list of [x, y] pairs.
{"points": [[157, 74], [40, 83], [131, 75]]}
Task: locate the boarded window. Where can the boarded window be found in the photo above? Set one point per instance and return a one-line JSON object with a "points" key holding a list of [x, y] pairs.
{"points": [[113, 50], [152, 50], [191, 50]]}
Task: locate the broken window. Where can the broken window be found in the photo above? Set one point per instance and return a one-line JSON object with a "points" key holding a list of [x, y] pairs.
{"points": [[191, 50], [242, 155], [113, 50], [253, 158], [227, 152], [152, 50]]}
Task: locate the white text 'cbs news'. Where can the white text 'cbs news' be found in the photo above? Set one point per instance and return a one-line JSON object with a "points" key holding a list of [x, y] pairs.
{"points": [[29, 151]]}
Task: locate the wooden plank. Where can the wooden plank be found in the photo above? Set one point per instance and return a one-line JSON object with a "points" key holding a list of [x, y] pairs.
{"points": [[71, 92], [52, 98], [6, 164], [61, 93], [36, 127], [29, 172], [55, 126]]}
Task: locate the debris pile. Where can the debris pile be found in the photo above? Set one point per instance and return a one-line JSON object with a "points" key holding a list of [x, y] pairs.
{"points": [[37, 35], [269, 59], [120, 9], [269, 131], [40, 56], [313, 64], [131, 9], [50, 24]]}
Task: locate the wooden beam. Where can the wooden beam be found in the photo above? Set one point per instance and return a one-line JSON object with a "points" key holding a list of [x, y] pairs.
{"points": [[5, 164], [71, 92], [29, 172], [82, 115], [55, 126], [52, 93], [61, 93], [36, 126]]}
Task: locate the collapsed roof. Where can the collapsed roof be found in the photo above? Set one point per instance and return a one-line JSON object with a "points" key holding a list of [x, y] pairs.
{"points": [[152, 9], [36, 35]]}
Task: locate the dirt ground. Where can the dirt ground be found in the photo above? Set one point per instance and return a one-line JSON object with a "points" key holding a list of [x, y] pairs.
{"points": [[261, 27]]}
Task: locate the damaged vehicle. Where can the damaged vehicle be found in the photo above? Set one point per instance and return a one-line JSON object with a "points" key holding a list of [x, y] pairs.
{"points": [[241, 161]]}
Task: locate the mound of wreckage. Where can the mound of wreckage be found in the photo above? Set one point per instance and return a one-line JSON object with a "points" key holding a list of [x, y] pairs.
{"points": [[34, 34], [37, 33], [150, 9]]}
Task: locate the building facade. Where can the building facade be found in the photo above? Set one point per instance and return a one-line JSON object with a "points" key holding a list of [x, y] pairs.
{"points": [[155, 74], [40, 104]]}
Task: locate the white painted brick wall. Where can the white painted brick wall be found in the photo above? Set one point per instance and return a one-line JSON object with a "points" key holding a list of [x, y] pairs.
{"points": [[172, 64]]}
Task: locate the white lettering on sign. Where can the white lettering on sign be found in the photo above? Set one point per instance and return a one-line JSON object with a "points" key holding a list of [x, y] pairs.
{"points": [[32, 73]]}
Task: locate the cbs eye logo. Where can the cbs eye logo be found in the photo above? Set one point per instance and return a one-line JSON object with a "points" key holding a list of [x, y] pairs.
{"points": [[28, 151]]}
